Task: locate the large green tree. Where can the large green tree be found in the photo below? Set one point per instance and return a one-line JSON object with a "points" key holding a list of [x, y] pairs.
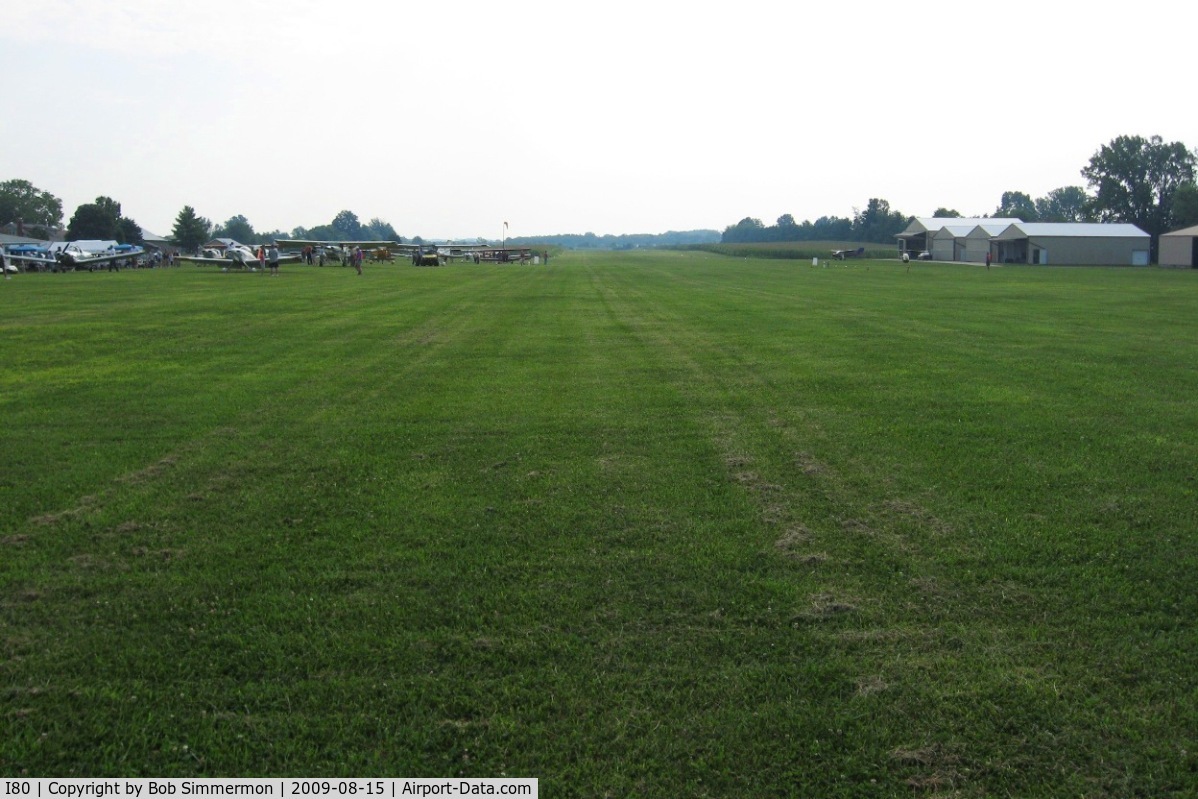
{"points": [[103, 220], [1136, 180], [190, 230], [97, 220], [1185, 205], [347, 225], [40, 211], [129, 232], [747, 229], [1016, 205], [378, 229], [1066, 204], [237, 228], [877, 223]]}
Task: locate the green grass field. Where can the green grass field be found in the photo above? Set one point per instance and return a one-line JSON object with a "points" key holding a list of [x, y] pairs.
{"points": [[656, 524]]}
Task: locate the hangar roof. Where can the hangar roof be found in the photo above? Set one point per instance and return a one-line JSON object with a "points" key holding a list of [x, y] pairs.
{"points": [[1021, 230], [931, 224], [954, 231]]}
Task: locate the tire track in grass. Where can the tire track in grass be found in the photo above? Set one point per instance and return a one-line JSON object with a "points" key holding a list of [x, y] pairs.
{"points": [[834, 545], [739, 434]]}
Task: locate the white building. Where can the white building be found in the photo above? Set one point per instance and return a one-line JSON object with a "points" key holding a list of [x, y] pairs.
{"points": [[1072, 243], [1180, 248], [918, 237], [1013, 241]]}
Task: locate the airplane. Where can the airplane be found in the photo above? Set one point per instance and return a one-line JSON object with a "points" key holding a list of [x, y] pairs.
{"points": [[504, 255], [440, 254], [420, 254], [84, 254], [425, 254], [842, 254], [235, 256], [339, 251]]}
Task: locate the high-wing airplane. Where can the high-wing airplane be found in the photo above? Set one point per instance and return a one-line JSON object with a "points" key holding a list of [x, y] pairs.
{"points": [[84, 254], [339, 251], [425, 254], [842, 254], [292, 244], [505, 255]]}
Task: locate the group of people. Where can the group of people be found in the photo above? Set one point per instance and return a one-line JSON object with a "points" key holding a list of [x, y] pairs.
{"points": [[269, 257]]}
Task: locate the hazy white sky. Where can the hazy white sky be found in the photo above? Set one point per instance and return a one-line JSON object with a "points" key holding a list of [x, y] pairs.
{"points": [[448, 117]]}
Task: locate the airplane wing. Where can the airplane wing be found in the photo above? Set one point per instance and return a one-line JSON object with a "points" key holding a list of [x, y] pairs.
{"points": [[81, 260], [239, 263], [291, 244], [38, 262]]}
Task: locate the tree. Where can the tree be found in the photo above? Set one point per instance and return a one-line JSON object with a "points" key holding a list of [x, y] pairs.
{"points": [[346, 223], [378, 229], [946, 213], [877, 223], [786, 221], [323, 233], [831, 228], [129, 232], [1017, 205], [1185, 205], [1136, 179], [191, 231], [747, 229], [1066, 204], [98, 220], [237, 228], [21, 200]]}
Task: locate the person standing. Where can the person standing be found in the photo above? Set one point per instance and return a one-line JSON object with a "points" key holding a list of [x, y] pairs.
{"points": [[273, 256], [358, 259]]}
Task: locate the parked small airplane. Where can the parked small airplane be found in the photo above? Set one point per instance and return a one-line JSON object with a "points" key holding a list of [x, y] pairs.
{"points": [[339, 251], [440, 254], [842, 254], [83, 254], [506, 255], [235, 256]]}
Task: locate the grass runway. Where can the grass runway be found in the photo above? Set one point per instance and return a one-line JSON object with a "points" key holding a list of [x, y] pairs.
{"points": [[659, 524]]}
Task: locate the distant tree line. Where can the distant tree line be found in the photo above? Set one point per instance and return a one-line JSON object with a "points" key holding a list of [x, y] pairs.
{"points": [[191, 230], [875, 223], [1146, 182], [629, 241]]}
